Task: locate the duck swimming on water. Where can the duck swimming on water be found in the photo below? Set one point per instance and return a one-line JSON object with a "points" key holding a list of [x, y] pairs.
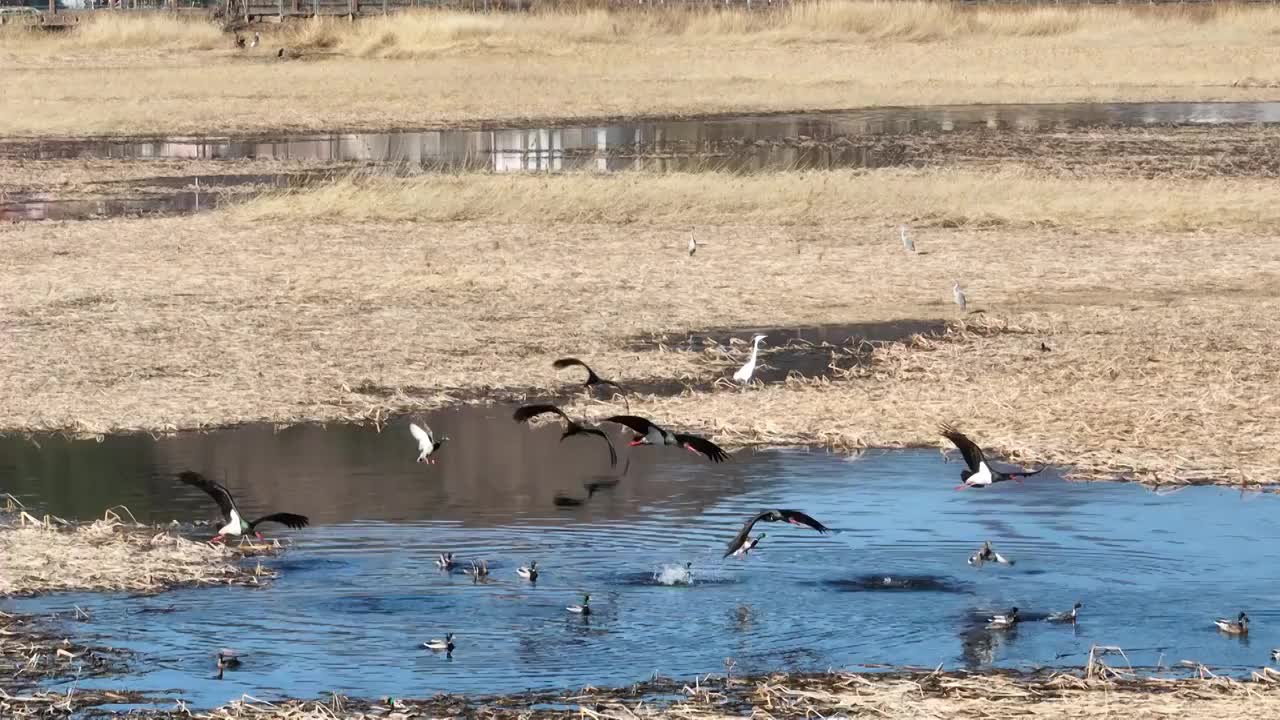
{"points": [[1002, 622], [1066, 616], [583, 609], [529, 572], [1239, 626], [988, 554], [445, 561], [444, 644]]}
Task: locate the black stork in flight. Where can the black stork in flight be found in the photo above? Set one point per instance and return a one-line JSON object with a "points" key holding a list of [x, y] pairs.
{"points": [[235, 523]]}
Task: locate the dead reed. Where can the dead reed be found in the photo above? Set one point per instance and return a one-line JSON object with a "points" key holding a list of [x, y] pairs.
{"points": [[51, 555], [991, 696], [169, 76]]}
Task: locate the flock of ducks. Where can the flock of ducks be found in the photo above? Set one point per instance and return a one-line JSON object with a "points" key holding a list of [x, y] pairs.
{"points": [[977, 473]]}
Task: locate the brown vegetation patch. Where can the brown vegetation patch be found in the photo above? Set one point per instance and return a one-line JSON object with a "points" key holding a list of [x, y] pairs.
{"points": [[992, 696], [51, 555], [371, 297], [163, 76]]}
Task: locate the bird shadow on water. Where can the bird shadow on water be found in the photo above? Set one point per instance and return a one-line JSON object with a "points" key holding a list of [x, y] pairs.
{"points": [[891, 582]]}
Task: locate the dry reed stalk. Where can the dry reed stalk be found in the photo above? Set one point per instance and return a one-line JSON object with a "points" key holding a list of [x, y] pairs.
{"points": [[992, 696], [169, 76], [110, 555]]}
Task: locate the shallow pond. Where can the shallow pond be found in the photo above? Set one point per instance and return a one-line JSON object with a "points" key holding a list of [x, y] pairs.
{"points": [[359, 591]]}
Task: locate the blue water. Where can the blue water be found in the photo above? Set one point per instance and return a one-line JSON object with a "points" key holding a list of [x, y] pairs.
{"points": [[359, 591]]}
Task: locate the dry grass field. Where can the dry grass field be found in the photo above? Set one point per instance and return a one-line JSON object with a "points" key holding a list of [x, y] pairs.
{"points": [[160, 75], [372, 295]]}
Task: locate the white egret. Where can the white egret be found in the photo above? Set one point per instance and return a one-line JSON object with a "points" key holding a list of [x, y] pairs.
{"points": [[743, 376]]}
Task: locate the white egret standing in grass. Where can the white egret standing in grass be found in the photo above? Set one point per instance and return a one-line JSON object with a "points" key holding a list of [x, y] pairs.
{"points": [[257, 38], [693, 245], [907, 243], [958, 293], [743, 376]]}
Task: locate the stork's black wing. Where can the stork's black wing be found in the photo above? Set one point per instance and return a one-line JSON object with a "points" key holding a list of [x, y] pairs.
{"points": [[968, 448], [741, 537], [528, 412], [703, 446], [563, 363], [576, 429], [220, 494], [640, 425], [1012, 470], [796, 517], [288, 520]]}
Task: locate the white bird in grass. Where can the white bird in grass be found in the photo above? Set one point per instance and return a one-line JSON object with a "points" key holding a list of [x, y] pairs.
{"points": [[256, 39], [428, 445], [958, 294], [907, 243], [440, 644], [743, 376], [693, 245]]}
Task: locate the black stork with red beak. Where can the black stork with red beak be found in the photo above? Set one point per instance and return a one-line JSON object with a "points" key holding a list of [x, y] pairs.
{"points": [[652, 434]]}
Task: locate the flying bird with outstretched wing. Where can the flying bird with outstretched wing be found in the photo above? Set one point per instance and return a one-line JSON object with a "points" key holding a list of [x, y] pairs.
{"points": [[528, 412], [235, 523], [794, 517], [978, 472], [651, 433]]}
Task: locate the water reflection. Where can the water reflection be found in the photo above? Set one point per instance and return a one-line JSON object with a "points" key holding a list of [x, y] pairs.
{"points": [[740, 143]]}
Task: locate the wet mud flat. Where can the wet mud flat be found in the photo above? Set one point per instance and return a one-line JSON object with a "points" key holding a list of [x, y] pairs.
{"points": [[94, 178]]}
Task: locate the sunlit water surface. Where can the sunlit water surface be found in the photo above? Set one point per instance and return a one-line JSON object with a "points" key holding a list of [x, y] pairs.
{"points": [[359, 592]]}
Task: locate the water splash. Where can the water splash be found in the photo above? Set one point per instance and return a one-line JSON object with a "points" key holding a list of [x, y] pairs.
{"points": [[674, 574]]}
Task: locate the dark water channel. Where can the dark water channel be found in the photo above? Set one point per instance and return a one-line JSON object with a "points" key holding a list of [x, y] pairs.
{"points": [[751, 143], [359, 591]]}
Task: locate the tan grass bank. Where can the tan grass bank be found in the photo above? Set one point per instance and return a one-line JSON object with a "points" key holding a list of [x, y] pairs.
{"points": [[1157, 300], [47, 556], [893, 696], [131, 76]]}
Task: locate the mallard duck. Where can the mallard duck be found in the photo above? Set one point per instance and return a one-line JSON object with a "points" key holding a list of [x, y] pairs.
{"points": [[529, 573], [748, 545], [1008, 620], [440, 645], [478, 571], [584, 608], [1275, 655], [445, 561], [1066, 616], [988, 554], [1239, 626], [227, 660], [428, 443]]}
